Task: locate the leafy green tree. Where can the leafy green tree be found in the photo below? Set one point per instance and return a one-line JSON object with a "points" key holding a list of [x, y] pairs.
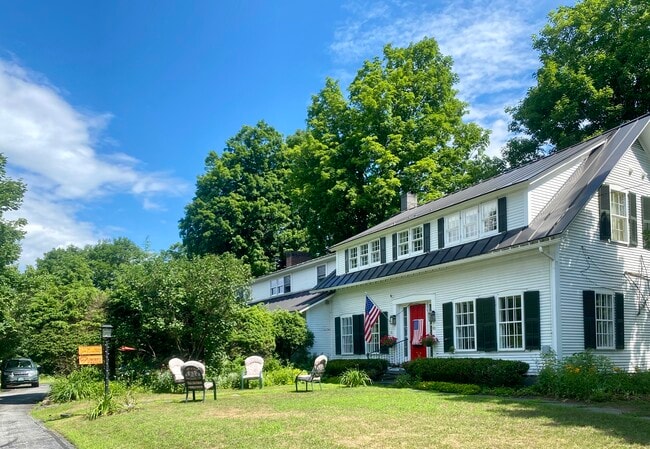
{"points": [[106, 257], [11, 197], [10, 334], [292, 336], [241, 205], [254, 333], [595, 75], [179, 307], [400, 130]]}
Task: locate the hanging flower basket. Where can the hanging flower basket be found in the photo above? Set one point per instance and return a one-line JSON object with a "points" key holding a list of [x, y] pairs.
{"points": [[387, 341], [429, 340]]}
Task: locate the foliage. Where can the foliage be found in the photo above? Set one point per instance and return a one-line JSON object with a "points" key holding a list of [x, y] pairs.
{"points": [[254, 333], [587, 376], [179, 307], [400, 130], [110, 405], [11, 232], [107, 256], [595, 75], [283, 375], [428, 340], [11, 336], [375, 368], [80, 384], [355, 378], [292, 336], [480, 371], [241, 205], [387, 341], [448, 387]]}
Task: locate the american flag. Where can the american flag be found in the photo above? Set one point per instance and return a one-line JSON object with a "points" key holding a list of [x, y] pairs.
{"points": [[370, 318], [418, 325]]}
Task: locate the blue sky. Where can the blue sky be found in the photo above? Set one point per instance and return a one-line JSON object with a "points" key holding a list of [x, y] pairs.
{"points": [[108, 109]]}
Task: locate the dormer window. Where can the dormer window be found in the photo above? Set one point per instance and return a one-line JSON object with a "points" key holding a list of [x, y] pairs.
{"points": [[471, 224], [410, 242], [618, 202], [281, 285], [364, 255]]}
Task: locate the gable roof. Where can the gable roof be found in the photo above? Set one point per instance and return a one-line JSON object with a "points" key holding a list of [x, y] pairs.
{"points": [[295, 302], [602, 153]]}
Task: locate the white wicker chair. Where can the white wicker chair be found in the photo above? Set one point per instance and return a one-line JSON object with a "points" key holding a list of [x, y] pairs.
{"points": [[253, 366], [175, 367]]}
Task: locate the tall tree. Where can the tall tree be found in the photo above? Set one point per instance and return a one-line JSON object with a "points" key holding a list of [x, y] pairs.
{"points": [[11, 197], [595, 75], [400, 130], [241, 205]]}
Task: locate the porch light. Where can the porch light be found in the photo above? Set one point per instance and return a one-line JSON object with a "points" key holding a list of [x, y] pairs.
{"points": [[393, 320], [432, 316]]}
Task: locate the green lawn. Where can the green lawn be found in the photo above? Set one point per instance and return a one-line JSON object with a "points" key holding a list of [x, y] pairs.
{"points": [[370, 417]]}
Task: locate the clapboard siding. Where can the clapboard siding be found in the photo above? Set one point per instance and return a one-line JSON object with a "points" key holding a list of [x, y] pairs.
{"points": [[318, 319], [504, 274], [517, 209], [587, 263]]}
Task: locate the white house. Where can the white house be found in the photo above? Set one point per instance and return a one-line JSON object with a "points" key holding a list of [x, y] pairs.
{"points": [[547, 256]]}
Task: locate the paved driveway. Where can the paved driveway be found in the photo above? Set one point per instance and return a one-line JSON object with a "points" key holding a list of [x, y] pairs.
{"points": [[18, 430]]}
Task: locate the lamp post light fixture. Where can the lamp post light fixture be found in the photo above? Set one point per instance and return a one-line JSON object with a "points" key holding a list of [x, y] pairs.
{"points": [[107, 334]]}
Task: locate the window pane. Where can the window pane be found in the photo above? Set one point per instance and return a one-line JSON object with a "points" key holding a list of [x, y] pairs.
{"points": [[470, 223], [452, 229], [510, 323], [464, 317], [618, 209], [417, 239], [363, 255], [347, 344], [489, 217], [375, 255], [403, 243], [605, 321], [353, 261]]}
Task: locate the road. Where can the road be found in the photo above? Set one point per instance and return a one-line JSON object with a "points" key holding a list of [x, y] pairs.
{"points": [[18, 430]]}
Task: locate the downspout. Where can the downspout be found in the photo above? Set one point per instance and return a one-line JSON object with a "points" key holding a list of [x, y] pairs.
{"points": [[555, 315]]}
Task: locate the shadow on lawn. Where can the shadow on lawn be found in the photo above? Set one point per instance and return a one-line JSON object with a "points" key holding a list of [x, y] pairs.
{"points": [[633, 430]]}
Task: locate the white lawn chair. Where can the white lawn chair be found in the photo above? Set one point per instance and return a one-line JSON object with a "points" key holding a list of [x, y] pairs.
{"points": [[253, 366], [315, 375]]}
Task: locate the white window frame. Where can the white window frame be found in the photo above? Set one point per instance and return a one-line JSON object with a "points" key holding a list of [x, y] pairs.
{"points": [[469, 223], [353, 261], [410, 242], [347, 335], [489, 218], [403, 245], [321, 272], [281, 285], [452, 233], [375, 252], [472, 223], [373, 344], [605, 321], [510, 322], [619, 214], [464, 330], [364, 256], [417, 240]]}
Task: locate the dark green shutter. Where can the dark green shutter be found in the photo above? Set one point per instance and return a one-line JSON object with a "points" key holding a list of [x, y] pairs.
{"points": [[441, 233], [619, 316], [347, 260], [634, 239], [502, 214], [426, 230], [383, 329], [605, 222], [337, 335], [357, 334], [486, 325], [382, 249], [645, 227], [448, 326], [394, 246], [589, 318], [532, 328]]}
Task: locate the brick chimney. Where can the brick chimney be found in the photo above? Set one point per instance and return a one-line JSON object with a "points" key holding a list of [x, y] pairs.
{"points": [[409, 201], [296, 257]]}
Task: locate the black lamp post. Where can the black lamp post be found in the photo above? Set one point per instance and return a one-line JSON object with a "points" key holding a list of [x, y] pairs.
{"points": [[107, 334]]}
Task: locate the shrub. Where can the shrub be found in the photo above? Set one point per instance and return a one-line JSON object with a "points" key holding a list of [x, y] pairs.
{"points": [[374, 368], [110, 405], [448, 387], [281, 376], [355, 378], [80, 384], [483, 371]]}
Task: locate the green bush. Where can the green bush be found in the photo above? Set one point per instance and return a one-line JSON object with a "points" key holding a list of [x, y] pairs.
{"points": [[448, 387], [112, 404], [281, 376], [355, 378], [482, 371], [374, 368], [587, 376], [80, 384]]}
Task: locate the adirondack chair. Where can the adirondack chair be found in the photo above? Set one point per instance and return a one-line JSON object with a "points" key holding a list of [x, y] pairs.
{"points": [[252, 371], [194, 380], [175, 367], [315, 375]]}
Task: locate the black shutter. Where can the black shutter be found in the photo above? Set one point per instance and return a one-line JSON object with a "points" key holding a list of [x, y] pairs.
{"points": [[426, 229], [382, 249], [634, 239], [645, 226], [605, 223], [448, 326], [486, 325], [357, 334], [619, 324], [337, 335], [383, 329], [395, 246], [589, 316], [532, 323], [502, 214], [347, 260], [441, 233]]}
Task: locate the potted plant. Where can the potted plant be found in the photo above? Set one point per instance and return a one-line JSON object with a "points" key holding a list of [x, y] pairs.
{"points": [[429, 340], [387, 341]]}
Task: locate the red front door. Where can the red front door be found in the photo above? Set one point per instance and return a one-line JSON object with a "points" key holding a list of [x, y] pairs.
{"points": [[417, 325]]}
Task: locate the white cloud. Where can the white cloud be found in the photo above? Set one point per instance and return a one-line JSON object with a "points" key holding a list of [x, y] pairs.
{"points": [[51, 145], [489, 41]]}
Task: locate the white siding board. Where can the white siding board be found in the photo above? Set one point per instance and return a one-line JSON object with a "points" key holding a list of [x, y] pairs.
{"points": [[516, 204], [541, 193]]}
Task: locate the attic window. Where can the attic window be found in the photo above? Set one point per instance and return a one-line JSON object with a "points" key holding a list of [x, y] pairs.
{"points": [[618, 204]]}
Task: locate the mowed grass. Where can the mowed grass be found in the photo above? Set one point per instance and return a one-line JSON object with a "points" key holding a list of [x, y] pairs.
{"points": [[336, 417]]}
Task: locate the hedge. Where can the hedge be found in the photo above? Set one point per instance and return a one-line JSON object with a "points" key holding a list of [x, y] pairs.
{"points": [[375, 368], [483, 371]]}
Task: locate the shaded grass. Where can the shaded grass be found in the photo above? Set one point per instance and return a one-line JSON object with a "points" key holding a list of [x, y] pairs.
{"points": [[370, 417]]}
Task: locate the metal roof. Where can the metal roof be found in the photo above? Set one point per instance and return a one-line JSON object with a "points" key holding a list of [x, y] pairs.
{"points": [[602, 153], [294, 302]]}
